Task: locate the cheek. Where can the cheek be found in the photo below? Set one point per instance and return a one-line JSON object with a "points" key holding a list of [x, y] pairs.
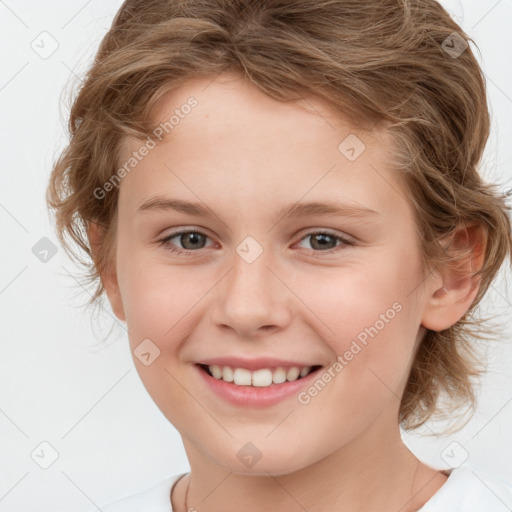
{"points": [[160, 300], [371, 318], [159, 304]]}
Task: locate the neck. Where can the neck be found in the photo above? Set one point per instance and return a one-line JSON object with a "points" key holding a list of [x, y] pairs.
{"points": [[374, 472]]}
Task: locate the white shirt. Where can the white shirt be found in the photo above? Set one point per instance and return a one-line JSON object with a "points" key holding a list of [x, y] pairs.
{"points": [[465, 490]]}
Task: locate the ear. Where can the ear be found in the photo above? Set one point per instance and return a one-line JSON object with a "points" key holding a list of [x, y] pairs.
{"points": [[454, 288], [96, 234]]}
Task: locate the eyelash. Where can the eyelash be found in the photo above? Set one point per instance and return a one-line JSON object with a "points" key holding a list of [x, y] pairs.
{"points": [[171, 248]]}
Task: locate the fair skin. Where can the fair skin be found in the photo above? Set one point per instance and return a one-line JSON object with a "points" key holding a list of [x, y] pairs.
{"points": [[245, 156]]}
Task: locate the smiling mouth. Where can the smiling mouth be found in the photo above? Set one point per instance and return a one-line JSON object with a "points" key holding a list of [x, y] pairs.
{"points": [[264, 377]]}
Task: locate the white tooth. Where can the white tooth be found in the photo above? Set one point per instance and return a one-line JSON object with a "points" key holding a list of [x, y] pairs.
{"points": [[279, 376], [293, 373], [305, 371], [262, 378], [242, 377], [215, 371], [227, 374]]}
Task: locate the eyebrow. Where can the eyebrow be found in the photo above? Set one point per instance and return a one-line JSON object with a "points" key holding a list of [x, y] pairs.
{"points": [[299, 209]]}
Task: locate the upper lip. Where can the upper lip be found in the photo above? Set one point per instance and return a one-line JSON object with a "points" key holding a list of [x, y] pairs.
{"points": [[255, 363]]}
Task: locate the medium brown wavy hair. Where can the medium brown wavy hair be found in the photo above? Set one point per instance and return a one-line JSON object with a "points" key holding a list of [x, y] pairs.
{"points": [[404, 63]]}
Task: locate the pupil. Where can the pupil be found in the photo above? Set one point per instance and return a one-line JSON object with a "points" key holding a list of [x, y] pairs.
{"points": [[321, 240], [194, 238]]}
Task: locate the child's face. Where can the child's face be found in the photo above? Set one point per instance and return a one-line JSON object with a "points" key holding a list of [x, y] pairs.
{"points": [[244, 157]]}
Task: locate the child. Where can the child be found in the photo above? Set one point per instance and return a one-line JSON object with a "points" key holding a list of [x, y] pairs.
{"points": [[325, 153]]}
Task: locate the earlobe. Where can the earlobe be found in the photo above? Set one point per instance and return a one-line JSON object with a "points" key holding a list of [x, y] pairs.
{"points": [[96, 234], [447, 304]]}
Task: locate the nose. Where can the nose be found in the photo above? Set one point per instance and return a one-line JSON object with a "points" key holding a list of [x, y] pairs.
{"points": [[252, 300]]}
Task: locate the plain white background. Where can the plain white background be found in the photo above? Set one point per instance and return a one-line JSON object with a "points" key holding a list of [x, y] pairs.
{"points": [[66, 396]]}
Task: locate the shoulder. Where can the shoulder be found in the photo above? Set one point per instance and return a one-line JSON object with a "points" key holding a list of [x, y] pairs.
{"points": [[155, 498], [471, 490]]}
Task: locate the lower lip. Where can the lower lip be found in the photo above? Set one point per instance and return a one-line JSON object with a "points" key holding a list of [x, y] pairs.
{"points": [[253, 396]]}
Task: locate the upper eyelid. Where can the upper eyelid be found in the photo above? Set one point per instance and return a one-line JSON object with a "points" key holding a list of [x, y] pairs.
{"points": [[311, 231]]}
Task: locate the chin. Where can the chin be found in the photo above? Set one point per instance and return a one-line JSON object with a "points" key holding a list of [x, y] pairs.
{"points": [[271, 461]]}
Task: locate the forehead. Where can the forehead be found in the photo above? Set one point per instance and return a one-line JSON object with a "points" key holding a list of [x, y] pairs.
{"points": [[226, 102], [237, 141]]}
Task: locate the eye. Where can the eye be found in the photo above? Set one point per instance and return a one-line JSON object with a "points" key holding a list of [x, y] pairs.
{"points": [[191, 241], [325, 242]]}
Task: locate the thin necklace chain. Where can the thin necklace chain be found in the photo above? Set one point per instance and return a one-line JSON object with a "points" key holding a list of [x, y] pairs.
{"points": [[186, 496]]}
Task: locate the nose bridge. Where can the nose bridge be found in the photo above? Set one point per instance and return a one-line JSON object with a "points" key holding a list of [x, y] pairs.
{"points": [[252, 296], [250, 283]]}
